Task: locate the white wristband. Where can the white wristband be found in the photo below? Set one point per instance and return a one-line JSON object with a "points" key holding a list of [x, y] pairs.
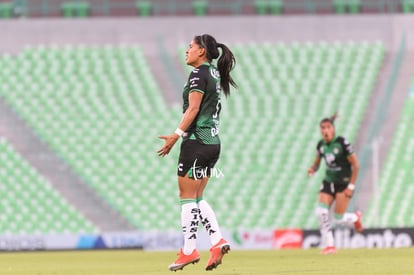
{"points": [[351, 186], [179, 132]]}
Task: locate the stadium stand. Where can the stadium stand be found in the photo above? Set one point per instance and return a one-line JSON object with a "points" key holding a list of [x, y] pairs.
{"points": [[30, 204], [92, 106], [76, 8], [101, 110], [391, 204], [289, 88]]}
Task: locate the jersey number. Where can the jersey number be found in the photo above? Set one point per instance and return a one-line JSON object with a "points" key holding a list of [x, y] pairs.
{"points": [[215, 129]]}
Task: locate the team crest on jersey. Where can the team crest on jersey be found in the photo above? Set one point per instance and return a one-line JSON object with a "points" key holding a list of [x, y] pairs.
{"points": [[329, 158], [335, 151], [215, 73], [321, 150]]}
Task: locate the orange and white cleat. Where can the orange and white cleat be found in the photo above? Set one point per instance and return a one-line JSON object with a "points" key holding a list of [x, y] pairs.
{"points": [[184, 260], [358, 223], [329, 250], [216, 254]]}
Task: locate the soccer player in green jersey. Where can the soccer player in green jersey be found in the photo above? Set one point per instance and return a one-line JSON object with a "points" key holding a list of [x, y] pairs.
{"points": [[338, 184], [200, 148]]}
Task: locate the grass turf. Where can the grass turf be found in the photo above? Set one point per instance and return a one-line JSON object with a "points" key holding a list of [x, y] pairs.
{"points": [[352, 261]]}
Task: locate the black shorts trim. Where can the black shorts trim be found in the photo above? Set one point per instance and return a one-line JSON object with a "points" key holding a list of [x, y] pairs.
{"points": [[332, 188], [196, 159]]}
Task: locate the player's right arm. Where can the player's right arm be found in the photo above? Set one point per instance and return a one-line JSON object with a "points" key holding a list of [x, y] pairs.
{"points": [[316, 161], [315, 166]]}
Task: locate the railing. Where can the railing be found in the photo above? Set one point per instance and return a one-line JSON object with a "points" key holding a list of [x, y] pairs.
{"points": [[368, 156], [36, 8]]}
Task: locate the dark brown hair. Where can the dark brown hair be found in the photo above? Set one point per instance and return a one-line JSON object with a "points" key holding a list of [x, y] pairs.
{"points": [[330, 119], [225, 63]]}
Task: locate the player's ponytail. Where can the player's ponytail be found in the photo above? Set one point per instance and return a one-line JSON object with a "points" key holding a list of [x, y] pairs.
{"points": [[330, 119], [225, 63]]}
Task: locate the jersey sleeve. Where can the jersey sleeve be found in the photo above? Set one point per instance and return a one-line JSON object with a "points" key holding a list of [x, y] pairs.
{"points": [[346, 146], [198, 80]]}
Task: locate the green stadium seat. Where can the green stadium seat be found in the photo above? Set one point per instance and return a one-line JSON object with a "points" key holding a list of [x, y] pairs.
{"points": [[354, 6], [260, 7], [6, 10], [200, 7], [339, 6], [275, 6], [75, 9], [346, 6], [407, 6], [144, 8]]}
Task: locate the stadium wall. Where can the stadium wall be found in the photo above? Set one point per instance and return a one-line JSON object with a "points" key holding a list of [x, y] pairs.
{"points": [[259, 239], [15, 34]]}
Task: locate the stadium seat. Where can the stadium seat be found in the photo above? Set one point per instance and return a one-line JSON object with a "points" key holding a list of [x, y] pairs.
{"points": [[275, 6], [200, 7], [346, 6], [6, 10], [144, 8], [354, 6], [407, 6], [75, 9], [260, 7], [32, 205], [268, 6]]}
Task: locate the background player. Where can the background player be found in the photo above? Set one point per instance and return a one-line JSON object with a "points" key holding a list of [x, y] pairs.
{"points": [[200, 148], [338, 184]]}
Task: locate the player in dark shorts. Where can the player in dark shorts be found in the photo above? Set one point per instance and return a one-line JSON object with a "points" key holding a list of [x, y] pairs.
{"points": [[338, 184], [200, 148]]}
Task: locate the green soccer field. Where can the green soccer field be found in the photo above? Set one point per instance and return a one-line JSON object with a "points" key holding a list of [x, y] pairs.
{"points": [[352, 261]]}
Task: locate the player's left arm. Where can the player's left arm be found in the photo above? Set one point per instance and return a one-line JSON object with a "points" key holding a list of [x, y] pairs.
{"points": [[353, 160]]}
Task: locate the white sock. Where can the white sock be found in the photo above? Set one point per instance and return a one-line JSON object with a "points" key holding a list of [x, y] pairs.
{"points": [[189, 222], [347, 219], [325, 226], [209, 221]]}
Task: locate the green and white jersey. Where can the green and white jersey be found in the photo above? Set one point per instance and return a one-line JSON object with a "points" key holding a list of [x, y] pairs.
{"points": [[335, 154], [204, 79]]}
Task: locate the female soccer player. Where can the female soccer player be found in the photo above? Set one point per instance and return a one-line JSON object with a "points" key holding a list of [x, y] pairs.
{"points": [[338, 184], [200, 148]]}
